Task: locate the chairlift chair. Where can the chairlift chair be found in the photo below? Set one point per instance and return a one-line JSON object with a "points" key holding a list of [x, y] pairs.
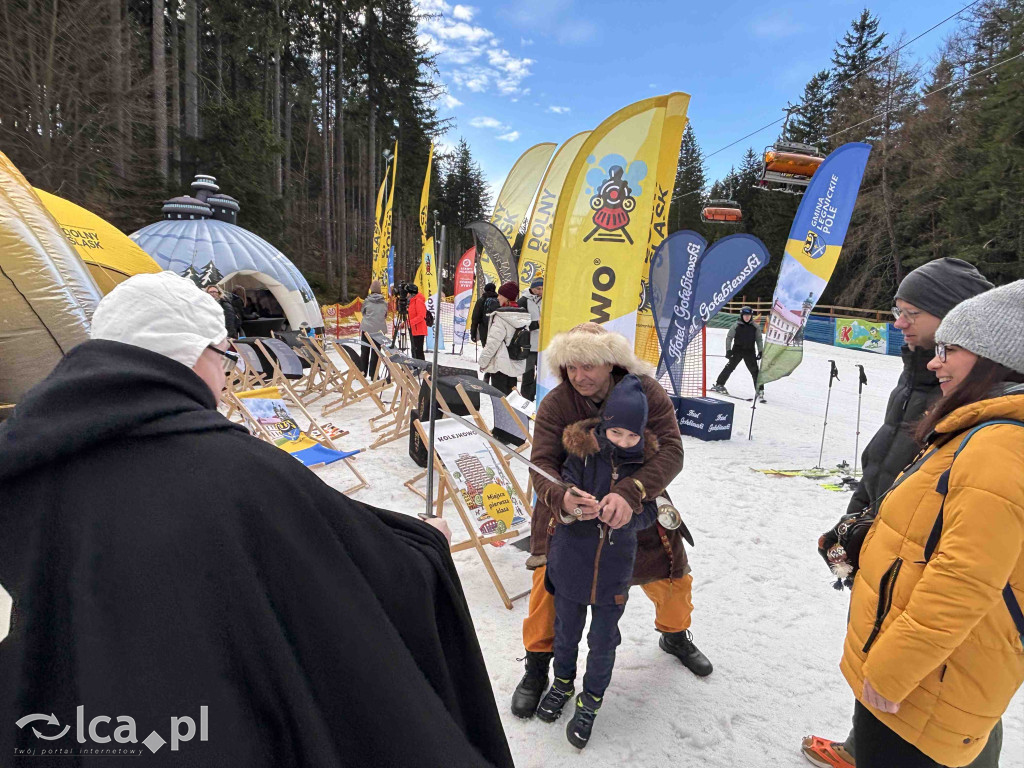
{"points": [[721, 212], [788, 167]]}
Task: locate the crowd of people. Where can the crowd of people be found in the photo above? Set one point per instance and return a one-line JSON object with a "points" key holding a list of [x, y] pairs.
{"points": [[142, 584]]}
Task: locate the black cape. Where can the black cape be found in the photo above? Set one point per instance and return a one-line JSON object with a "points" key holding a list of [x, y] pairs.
{"points": [[161, 560]]}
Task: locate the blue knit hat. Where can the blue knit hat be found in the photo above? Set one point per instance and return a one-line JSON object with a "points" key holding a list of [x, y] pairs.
{"points": [[538, 283], [626, 407]]}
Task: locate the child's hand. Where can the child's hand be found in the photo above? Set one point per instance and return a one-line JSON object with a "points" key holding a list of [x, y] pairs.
{"points": [[615, 510], [574, 499]]}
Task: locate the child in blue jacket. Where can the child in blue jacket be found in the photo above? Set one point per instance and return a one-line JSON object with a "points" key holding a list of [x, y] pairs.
{"points": [[590, 563]]}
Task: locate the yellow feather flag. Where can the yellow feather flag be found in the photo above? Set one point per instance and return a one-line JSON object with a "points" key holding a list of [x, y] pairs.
{"points": [[646, 345], [534, 255], [425, 198], [602, 224], [511, 207], [377, 222], [382, 231]]}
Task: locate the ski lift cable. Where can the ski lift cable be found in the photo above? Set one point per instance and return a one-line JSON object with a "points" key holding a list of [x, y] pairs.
{"points": [[899, 48], [906, 104], [924, 96], [837, 86]]}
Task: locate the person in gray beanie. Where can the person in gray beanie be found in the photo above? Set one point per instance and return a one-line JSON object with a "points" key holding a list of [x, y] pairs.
{"points": [[989, 326], [938, 286], [924, 297]]}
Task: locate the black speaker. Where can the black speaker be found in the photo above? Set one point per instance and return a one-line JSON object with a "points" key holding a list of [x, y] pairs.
{"points": [[446, 386], [417, 448]]}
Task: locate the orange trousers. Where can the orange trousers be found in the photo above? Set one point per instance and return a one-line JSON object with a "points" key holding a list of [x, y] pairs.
{"points": [[673, 607]]}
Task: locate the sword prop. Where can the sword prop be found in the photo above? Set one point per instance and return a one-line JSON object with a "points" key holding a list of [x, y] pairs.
{"points": [[668, 515]]}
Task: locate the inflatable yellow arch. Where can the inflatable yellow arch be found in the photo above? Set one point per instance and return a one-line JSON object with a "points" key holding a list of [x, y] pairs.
{"points": [[110, 254]]}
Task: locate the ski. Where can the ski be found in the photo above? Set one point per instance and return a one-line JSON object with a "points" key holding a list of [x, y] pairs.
{"points": [[734, 397]]}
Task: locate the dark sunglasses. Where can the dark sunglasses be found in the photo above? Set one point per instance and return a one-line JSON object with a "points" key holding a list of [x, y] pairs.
{"points": [[229, 361]]}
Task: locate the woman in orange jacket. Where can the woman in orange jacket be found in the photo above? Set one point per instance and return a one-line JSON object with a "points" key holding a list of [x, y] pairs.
{"points": [[933, 648]]}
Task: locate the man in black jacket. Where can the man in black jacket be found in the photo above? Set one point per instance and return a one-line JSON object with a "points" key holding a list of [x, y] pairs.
{"points": [[199, 595], [486, 303], [924, 297]]}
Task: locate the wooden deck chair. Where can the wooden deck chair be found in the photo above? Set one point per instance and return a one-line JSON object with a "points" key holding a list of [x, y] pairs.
{"points": [[253, 376], [329, 379], [248, 374], [447, 490], [460, 385], [286, 368], [504, 414], [269, 417], [394, 424], [357, 387], [311, 366]]}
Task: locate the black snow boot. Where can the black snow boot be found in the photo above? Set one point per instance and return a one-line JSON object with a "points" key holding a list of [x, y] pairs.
{"points": [[582, 723], [680, 645], [531, 687], [550, 708]]}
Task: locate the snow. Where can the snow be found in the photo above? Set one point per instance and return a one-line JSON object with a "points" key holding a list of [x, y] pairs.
{"points": [[764, 609]]}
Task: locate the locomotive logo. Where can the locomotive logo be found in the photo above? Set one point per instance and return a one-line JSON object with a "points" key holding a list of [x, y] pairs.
{"points": [[612, 204], [813, 246]]}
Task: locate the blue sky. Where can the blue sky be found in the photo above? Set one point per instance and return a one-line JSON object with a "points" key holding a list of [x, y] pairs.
{"points": [[523, 72]]}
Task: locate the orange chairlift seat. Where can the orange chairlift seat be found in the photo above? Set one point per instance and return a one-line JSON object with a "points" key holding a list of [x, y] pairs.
{"points": [[789, 165], [721, 212]]}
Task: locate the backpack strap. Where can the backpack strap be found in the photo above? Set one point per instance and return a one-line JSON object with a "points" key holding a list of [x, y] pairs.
{"points": [[942, 487]]}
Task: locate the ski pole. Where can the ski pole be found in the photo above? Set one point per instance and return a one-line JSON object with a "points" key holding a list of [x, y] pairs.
{"points": [[833, 374], [856, 443], [433, 403]]}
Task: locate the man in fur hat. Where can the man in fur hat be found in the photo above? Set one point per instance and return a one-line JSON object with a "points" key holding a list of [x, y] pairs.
{"points": [[590, 362]]}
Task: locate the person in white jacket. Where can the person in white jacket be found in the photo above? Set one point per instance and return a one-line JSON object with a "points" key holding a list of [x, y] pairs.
{"points": [[531, 301], [502, 326]]}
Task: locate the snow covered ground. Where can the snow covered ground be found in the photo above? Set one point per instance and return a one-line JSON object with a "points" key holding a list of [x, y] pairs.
{"points": [[765, 612]]}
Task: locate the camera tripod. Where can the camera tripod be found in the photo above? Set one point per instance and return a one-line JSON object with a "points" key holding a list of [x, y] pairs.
{"points": [[400, 337]]}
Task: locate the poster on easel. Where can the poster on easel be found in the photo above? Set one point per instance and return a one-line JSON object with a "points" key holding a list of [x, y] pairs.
{"points": [[487, 493]]}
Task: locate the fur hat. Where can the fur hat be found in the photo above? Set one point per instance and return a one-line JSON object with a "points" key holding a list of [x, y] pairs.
{"points": [[510, 291], [592, 344]]}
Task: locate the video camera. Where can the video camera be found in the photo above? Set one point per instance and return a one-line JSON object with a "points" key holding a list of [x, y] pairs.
{"points": [[403, 297]]}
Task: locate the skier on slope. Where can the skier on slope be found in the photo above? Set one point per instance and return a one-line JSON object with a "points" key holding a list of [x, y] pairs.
{"points": [[739, 346]]}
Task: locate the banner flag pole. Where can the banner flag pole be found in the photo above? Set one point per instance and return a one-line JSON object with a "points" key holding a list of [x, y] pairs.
{"points": [[433, 396]]}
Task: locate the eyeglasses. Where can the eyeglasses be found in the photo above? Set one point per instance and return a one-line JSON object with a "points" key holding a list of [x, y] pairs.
{"points": [[940, 352], [229, 361], [909, 314]]}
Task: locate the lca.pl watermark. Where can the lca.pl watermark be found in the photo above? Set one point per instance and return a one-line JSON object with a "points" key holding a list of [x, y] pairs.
{"points": [[103, 730]]}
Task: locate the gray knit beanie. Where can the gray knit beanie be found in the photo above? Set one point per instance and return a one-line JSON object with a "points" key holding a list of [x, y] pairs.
{"points": [[990, 325], [939, 285]]}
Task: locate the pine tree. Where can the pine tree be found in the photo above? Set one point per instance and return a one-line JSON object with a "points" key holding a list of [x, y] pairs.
{"points": [[811, 122], [688, 193], [857, 84], [861, 45]]}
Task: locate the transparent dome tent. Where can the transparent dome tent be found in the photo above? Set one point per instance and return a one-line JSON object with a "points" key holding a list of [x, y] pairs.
{"points": [[200, 239]]}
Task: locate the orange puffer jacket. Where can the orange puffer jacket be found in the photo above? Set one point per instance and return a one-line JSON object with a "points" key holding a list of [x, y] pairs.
{"points": [[937, 636]]}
